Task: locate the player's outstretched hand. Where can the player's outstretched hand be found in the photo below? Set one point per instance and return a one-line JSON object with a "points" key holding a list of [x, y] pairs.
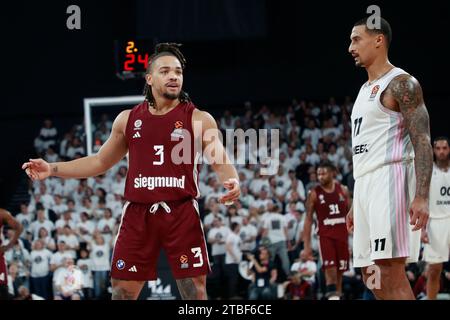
{"points": [[234, 191], [418, 213], [37, 169]]}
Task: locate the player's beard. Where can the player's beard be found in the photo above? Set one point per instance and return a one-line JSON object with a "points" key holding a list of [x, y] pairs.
{"points": [[171, 96]]}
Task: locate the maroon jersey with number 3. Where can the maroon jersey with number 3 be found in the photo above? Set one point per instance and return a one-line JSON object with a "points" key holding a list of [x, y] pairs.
{"points": [[154, 174], [331, 209]]}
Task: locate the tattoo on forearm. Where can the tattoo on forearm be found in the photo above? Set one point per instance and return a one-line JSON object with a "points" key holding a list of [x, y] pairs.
{"points": [[408, 93], [122, 294], [187, 289], [55, 169]]}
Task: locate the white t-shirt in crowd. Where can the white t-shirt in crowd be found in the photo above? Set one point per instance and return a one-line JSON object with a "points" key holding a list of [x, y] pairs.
{"points": [[294, 226], [261, 203], [59, 208], [60, 223], [36, 225], [40, 263], [85, 266], [72, 241], [234, 241], [88, 226], [58, 257], [209, 218], [246, 233], [25, 220], [221, 234], [102, 223], [309, 266], [69, 280], [275, 224], [100, 256]]}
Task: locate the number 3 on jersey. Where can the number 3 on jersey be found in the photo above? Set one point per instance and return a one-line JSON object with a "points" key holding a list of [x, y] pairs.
{"points": [[159, 152], [197, 251]]}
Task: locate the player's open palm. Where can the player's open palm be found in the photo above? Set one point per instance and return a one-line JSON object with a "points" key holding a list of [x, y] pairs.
{"points": [[37, 169], [418, 213]]}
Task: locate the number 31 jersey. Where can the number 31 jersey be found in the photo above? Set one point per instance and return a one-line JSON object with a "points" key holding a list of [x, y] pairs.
{"points": [[163, 164], [331, 209], [379, 136]]}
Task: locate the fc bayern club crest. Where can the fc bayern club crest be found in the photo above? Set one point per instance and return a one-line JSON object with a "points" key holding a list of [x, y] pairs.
{"points": [[120, 264]]}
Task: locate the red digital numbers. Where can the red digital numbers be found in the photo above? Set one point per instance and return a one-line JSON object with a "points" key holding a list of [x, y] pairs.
{"points": [[133, 58], [144, 60]]}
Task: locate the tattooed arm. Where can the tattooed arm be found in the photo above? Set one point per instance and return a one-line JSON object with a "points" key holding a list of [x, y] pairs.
{"points": [[407, 92]]}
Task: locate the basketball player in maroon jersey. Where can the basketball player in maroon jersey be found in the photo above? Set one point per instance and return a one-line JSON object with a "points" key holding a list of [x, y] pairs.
{"points": [[330, 201], [160, 191], [7, 219]]}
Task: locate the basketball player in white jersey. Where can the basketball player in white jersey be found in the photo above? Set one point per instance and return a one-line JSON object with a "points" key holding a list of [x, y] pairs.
{"points": [[437, 234], [392, 161]]}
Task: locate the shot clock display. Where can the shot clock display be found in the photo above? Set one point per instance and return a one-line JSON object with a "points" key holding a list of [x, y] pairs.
{"points": [[131, 58]]}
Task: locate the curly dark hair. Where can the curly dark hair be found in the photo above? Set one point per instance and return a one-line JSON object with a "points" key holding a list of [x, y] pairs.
{"points": [[165, 49]]}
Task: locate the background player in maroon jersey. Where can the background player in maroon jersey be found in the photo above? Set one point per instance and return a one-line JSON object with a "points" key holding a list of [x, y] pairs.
{"points": [[161, 211], [7, 219], [330, 201]]}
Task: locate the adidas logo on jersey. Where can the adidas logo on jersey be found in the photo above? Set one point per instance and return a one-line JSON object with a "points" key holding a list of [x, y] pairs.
{"points": [[136, 135], [133, 269]]}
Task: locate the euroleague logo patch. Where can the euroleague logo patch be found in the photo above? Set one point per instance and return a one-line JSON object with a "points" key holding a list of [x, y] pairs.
{"points": [[178, 124], [120, 264], [177, 130], [184, 262], [374, 92]]}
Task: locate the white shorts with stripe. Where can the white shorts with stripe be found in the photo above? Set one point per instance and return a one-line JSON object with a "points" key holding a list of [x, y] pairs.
{"points": [[438, 247], [381, 205]]}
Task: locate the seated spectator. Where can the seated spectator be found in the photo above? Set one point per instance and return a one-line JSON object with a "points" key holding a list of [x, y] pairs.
{"points": [[23, 293], [85, 228], [71, 241], [41, 222], [57, 259], [65, 220], [68, 282], [21, 258], [74, 148], [106, 225], [305, 267], [25, 218], [47, 241], [297, 288], [59, 207], [47, 136], [50, 154]]}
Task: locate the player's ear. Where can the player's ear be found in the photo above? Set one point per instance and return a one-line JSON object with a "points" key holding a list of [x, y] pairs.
{"points": [[379, 40], [148, 79]]}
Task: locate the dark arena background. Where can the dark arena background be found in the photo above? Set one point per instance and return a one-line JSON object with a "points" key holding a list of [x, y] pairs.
{"points": [[251, 64]]}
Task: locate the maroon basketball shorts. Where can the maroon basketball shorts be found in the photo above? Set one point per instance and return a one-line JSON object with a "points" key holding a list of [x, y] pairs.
{"points": [[3, 271], [334, 253], [145, 229]]}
